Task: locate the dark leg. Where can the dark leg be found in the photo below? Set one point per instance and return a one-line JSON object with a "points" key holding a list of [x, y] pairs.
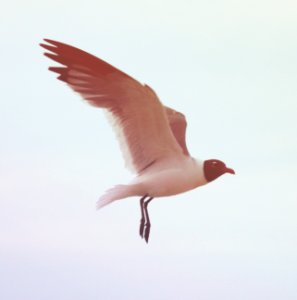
{"points": [[142, 220], [147, 220]]}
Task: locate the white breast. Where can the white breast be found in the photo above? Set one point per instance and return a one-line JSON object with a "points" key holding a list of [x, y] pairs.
{"points": [[181, 176]]}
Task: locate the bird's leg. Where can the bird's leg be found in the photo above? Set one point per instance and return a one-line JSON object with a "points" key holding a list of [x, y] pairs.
{"points": [[147, 220], [142, 220]]}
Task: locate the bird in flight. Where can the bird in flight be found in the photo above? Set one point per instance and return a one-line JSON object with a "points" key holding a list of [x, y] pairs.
{"points": [[151, 135]]}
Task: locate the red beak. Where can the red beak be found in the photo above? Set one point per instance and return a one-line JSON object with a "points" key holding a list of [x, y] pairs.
{"points": [[231, 171]]}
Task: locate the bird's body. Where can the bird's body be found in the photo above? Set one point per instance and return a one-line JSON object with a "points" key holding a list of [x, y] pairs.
{"points": [[172, 177], [168, 177], [151, 135]]}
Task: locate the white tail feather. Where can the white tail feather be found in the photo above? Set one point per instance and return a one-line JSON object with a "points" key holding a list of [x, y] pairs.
{"points": [[115, 193]]}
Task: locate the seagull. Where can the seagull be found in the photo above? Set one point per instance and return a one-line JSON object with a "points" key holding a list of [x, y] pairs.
{"points": [[152, 136]]}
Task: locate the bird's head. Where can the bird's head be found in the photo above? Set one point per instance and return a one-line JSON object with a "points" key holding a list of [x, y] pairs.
{"points": [[213, 168]]}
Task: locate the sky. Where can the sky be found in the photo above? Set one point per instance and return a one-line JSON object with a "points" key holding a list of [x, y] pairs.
{"points": [[230, 67]]}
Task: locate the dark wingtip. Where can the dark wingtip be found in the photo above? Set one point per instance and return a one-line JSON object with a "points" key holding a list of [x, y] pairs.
{"points": [[49, 41], [49, 47], [50, 55]]}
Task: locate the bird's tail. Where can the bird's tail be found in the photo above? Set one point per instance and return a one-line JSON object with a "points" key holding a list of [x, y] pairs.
{"points": [[116, 193]]}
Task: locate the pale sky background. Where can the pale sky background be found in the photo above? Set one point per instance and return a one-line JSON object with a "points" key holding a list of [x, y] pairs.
{"points": [[230, 67]]}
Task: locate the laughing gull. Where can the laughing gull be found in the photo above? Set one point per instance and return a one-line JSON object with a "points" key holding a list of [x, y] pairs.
{"points": [[151, 135]]}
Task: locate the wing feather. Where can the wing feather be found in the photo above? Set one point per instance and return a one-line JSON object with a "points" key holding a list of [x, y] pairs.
{"points": [[138, 115], [178, 125]]}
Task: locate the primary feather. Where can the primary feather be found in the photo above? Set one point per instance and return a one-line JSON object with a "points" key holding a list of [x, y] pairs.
{"points": [[147, 130]]}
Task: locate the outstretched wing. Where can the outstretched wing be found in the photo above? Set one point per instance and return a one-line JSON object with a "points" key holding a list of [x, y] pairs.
{"points": [[178, 125], [137, 114]]}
